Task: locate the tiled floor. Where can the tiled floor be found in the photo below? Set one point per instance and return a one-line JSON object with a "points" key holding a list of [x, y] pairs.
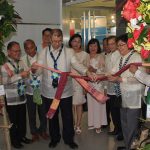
{"points": [[87, 140]]}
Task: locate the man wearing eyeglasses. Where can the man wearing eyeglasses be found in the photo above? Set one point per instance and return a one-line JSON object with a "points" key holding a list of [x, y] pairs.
{"points": [[114, 108], [14, 74], [59, 57]]}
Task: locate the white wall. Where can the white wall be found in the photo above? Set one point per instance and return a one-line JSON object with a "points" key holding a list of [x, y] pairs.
{"points": [[37, 15]]}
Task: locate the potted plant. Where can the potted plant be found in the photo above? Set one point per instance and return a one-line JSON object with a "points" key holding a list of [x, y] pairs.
{"points": [[8, 20]]}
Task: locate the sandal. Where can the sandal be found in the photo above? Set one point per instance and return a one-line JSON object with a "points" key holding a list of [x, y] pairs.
{"points": [[98, 130], [78, 130]]}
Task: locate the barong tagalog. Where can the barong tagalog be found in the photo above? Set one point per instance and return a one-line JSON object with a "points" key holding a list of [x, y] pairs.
{"points": [[99, 96]]}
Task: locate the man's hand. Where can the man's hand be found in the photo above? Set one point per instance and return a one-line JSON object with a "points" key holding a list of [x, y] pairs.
{"points": [[25, 74], [133, 69], [34, 68], [114, 78]]}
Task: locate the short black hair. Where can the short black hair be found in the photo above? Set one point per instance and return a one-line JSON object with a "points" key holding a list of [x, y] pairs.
{"points": [[46, 29], [73, 37], [123, 38], [27, 41], [93, 41], [11, 44], [111, 37]]}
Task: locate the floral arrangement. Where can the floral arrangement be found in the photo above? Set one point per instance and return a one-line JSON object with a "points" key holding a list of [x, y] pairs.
{"points": [[137, 13]]}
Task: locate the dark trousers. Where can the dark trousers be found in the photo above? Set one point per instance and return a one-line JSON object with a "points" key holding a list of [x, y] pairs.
{"points": [[17, 116], [115, 113], [108, 112], [65, 107], [32, 107], [130, 125]]}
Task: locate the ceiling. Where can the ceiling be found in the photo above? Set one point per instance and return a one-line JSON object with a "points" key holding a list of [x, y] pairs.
{"points": [[89, 3]]}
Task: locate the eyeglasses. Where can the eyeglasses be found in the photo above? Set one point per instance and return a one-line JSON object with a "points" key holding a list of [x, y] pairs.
{"points": [[121, 45]]}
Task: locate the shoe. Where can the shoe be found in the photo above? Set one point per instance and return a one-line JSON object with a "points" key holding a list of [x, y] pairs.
{"points": [[26, 140], [98, 130], [35, 137], [105, 126], [119, 137], [72, 145], [17, 145], [121, 148], [44, 135], [78, 130], [113, 132], [53, 144]]}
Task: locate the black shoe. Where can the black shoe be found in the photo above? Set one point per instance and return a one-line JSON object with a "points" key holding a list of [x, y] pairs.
{"points": [[26, 140], [53, 144], [72, 145], [119, 137], [17, 145], [113, 132], [121, 148]]}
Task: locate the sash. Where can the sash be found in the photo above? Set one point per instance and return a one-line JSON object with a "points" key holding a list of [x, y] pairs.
{"points": [[80, 79]]}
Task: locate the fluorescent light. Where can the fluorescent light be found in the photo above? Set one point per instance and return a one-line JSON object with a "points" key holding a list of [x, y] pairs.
{"points": [[77, 2]]}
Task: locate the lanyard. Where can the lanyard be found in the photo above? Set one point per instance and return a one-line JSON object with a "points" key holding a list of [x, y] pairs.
{"points": [[52, 56], [126, 60], [15, 68]]}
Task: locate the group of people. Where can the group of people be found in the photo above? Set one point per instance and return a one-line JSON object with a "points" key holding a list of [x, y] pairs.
{"points": [[28, 84]]}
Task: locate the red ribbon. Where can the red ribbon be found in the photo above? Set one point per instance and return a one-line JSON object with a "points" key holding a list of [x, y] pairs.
{"points": [[62, 82]]}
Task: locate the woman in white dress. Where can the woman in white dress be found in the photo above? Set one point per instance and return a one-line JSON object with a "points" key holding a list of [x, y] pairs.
{"points": [[78, 93], [96, 110]]}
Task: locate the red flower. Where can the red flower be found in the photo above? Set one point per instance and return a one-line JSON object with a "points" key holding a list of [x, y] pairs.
{"points": [[130, 42], [129, 11], [137, 32], [145, 53]]}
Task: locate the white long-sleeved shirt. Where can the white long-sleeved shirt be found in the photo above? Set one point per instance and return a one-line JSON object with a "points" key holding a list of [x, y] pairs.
{"points": [[131, 89], [110, 61], [66, 60], [11, 83], [26, 58], [144, 78]]}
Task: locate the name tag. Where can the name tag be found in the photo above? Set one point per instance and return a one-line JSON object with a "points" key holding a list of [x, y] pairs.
{"points": [[2, 91]]}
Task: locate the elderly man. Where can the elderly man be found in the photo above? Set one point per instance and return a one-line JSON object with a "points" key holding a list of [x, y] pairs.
{"points": [[59, 57], [13, 75], [33, 98]]}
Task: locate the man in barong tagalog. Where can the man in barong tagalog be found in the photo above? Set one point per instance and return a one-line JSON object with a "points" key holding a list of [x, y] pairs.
{"points": [[59, 57], [14, 74], [33, 96]]}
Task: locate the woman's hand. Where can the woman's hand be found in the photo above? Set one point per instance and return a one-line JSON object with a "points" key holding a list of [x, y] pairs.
{"points": [[91, 69], [92, 76]]}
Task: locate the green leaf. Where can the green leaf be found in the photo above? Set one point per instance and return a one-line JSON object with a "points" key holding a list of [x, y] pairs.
{"points": [[8, 22]]}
